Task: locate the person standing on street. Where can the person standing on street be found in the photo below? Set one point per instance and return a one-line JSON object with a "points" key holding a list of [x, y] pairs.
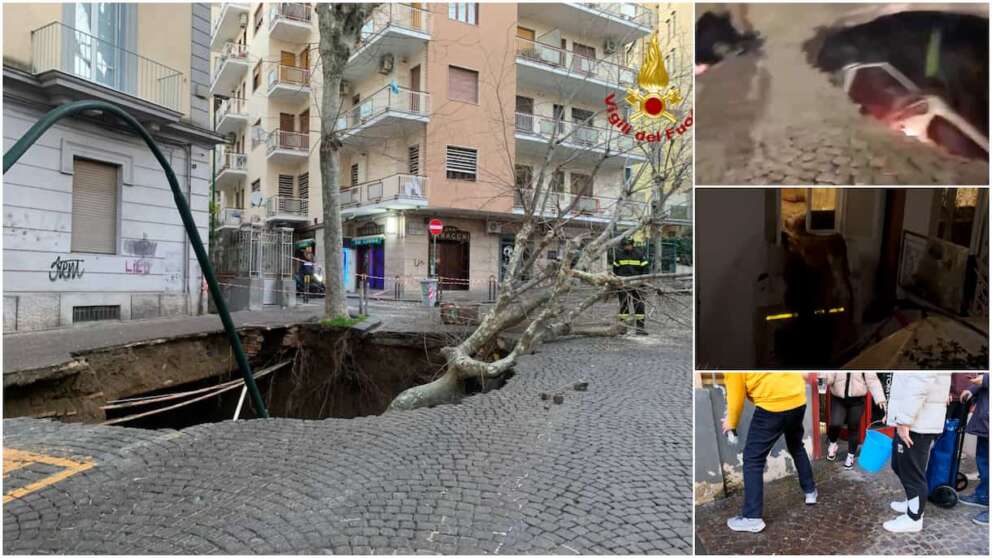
{"points": [[847, 405], [979, 426], [917, 405], [779, 409], [630, 262]]}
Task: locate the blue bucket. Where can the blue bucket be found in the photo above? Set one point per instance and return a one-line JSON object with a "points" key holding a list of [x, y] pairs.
{"points": [[875, 451]]}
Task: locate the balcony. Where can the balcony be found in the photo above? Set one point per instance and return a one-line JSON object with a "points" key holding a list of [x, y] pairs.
{"points": [[282, 146], [623, 21], [232, 115], [72, 64], [283, 208], [232, 168], [546, 68], [579, 142], [399, 191], [389, 112], [230, 69], [289, 83], [229, 218], [399, 29], [290, 21], [583, 207], [228, 23]]}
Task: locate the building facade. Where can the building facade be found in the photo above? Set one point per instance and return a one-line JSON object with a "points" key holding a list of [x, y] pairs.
{"points": [[91, 230], [447, 108]]}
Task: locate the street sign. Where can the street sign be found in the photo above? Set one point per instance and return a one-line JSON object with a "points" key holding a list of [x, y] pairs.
{"points": [[435, 227]]}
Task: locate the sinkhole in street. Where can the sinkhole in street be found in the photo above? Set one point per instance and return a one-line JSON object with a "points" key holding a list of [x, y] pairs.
{"points": [[305, 372], [922, 73]]}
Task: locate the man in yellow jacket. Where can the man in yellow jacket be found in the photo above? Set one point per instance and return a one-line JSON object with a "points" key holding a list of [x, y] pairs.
{"points": [[779, 407]]}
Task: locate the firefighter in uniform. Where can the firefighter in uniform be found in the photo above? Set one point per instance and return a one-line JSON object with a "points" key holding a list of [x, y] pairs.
{"points": [[628, 262]]}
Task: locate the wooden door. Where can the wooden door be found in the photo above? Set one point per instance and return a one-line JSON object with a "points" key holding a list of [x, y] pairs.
{"points": [[305, 122], [585, 59], [305, 59], [526, 44], [415, 88], [286, 122], [287, 61]]}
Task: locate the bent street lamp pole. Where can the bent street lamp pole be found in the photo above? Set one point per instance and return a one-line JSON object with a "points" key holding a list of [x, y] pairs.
{"points": [[70, 109]]}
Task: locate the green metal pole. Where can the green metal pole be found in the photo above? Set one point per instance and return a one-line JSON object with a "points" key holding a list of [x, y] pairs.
{"points": [[70, 109]]}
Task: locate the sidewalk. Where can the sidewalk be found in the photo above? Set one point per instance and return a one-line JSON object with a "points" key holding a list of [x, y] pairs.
{"points": [[847, 519]]}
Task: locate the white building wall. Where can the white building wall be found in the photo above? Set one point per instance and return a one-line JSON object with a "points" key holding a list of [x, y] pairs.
{"points": [[154, 272]]}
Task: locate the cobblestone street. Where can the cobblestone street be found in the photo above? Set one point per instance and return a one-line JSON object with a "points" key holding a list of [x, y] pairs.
{"points": [[607, 471], [847, 519], [770, 118]]}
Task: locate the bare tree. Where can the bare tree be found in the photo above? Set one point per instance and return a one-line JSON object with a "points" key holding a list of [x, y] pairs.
{"points": [[340, 28], [544, 299]]}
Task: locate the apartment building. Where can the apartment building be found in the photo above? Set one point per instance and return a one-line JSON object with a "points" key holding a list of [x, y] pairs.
{"points": [[91, 230], [447, 106]]}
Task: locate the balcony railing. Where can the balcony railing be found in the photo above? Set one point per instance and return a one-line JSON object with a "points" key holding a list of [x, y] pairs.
{"points": [[293, 11], [291, 76], [225, 6], [635, 13], [230, 160], [57, 46], [283, 206], [291, 141], [387, 99], [403, 16], [229, 217], [233, 106], [232, 50], [396, 187], [575, 64], [584, 204], [573, 134]]}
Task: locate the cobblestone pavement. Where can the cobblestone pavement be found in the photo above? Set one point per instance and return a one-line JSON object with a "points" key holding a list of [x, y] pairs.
{"points": [[770, 118], [847, 519], [607, 471]]}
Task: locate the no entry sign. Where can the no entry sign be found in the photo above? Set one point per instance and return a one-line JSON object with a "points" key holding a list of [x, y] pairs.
{"points": [[435, 227]]}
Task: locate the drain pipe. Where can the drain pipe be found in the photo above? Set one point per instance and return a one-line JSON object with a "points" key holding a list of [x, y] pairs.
{"points": [[189, 199]]}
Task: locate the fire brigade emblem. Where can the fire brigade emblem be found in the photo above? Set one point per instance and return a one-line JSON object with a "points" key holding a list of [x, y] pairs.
{"points": [[652, 97]]}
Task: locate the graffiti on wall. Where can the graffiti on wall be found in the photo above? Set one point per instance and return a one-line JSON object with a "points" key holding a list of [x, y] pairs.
{"points": [[66, 269], [143, 248], [137, 267]]}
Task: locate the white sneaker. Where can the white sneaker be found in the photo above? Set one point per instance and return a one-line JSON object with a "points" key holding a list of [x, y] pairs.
{"points": [[811, 498], [832, 451], [899, 507], [746, 524], [903, 524], [849, 462]]}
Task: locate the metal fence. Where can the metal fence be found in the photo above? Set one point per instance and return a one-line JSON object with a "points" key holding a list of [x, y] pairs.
{"points": [[57, 46], [254, 252]]}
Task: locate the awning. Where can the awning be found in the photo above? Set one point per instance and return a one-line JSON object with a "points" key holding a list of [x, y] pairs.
{"points": [[305, 243]]}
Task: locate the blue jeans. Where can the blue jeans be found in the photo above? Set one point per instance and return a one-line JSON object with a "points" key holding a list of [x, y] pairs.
{"points": [[766, 428], [982, 460]]}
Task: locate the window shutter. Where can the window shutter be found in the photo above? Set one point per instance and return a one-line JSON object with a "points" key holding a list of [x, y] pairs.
{"points": [[286, 186], [463, 85], [413, 159], [461, 162], [94, 207], [304, 182], [354, 174]]}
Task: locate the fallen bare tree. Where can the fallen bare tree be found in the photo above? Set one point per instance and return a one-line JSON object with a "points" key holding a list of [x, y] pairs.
{"points": [[546, 298]]}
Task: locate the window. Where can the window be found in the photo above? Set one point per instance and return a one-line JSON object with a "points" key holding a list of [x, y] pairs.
{"points": [[304, 183], [813, 210], [581, 184], [286, 186], [558, 181], [823, 210], [305, 122], [461, 163], [524, 176], [94, 207], [956, 217], [463, 85], [465, 12], [256, 186], [257, 134], [628, 174], [354, 174], [413, 159], [258, 17], [256, 76]]}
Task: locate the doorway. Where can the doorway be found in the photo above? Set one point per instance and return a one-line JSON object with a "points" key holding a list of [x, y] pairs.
{"points": [[415, 88], [371, 263], [452, 258]]}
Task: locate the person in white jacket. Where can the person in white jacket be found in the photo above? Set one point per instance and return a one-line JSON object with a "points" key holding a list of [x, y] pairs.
{"points": [[847, 404], [917, 406]]}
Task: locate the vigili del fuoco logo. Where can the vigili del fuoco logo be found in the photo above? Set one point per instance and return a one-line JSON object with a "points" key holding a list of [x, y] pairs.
{"points": [[650, 101]]}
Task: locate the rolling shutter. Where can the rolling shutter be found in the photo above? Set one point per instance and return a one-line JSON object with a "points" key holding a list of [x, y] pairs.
{"points": [[304, 182], [413, 159], [461, 163], [94, 207], [286, 186], [463, 85]]}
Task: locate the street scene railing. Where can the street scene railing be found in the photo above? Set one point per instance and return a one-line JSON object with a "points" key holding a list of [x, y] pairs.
{"points": [[292, 11], [234, 106], [231, 50], [230, 217], [292, 76], [277, 206], [394, 187], [230, 160], [225, 6], [389, 98], [635, 13], [572, 133], [581, 66], [403, 16], [584, 204], [285, 140], [57, 46]]}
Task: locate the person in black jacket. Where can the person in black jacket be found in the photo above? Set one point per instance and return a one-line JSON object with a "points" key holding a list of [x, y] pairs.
{"points": [[628, 262]]}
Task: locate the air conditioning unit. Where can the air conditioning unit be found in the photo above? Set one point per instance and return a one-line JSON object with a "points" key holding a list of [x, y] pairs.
{"points": [[492, 227], [346, 87], [243, 21], [386, 64], [611, 46]]}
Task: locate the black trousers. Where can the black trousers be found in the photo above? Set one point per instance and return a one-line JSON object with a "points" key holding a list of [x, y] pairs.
{"points": [[766, 428], [631, 299], [846, 412], [910, 465]]}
